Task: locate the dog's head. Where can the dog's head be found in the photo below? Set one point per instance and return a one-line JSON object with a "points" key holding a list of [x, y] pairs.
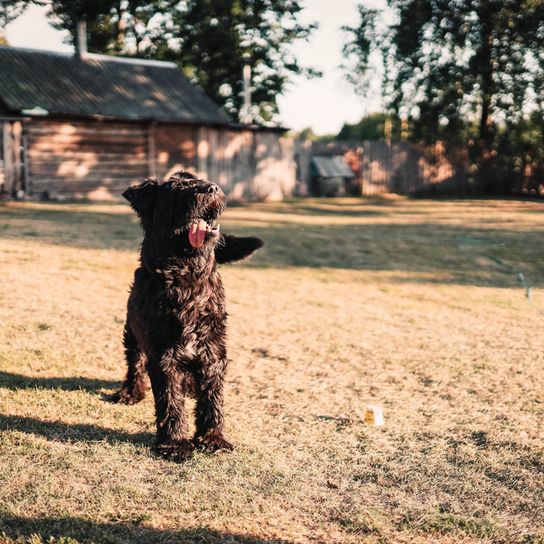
{"points": [[182, 207]]}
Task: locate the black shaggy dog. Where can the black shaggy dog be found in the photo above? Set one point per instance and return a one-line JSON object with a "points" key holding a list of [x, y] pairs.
{"points": [[176, 319]]}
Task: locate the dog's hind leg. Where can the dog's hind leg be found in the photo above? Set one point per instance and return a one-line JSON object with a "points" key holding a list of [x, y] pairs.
{"points": [[135, 384], [209, 408], [168, 382]]}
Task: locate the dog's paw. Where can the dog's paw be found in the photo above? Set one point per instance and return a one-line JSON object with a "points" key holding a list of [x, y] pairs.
{"points": [[124, 396], [213, 442], [176, 450]]}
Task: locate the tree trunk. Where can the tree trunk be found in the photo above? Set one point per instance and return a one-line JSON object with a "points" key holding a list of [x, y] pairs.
{"points": [[488, 174]]}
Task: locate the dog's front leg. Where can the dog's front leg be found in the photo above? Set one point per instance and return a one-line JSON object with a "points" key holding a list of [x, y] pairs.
{"points": [[167, 379], [209, 407]]}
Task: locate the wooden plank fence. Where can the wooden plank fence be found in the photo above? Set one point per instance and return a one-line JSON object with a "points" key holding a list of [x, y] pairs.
{"points": [[385, 167]]}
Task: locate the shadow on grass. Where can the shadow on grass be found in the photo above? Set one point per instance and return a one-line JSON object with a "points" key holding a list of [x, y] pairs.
{"points": [[20, 529], [351, 209], [455, 254], [13, 382], [71, 227], [72, 432]]}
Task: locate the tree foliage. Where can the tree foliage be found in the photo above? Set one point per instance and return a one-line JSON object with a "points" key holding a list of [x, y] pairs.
{"points": [[464, 71], [126, 27], [370, 127], [217, 37], [210, 39]]}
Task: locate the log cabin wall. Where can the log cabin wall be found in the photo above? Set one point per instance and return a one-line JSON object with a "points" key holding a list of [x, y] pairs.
{"points": [[171, 148], [89, 159], [99, 159]]}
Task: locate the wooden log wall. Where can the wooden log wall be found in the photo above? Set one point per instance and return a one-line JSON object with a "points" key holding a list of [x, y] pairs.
{"points": [[85, 158], [171, 148], [98, 160]]}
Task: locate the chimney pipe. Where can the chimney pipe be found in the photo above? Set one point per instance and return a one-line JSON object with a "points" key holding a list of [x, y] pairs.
{"points": [[81, 38], [245, 113]]}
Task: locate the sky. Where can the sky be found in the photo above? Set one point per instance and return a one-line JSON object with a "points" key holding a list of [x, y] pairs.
{"points": [[324, 103]]}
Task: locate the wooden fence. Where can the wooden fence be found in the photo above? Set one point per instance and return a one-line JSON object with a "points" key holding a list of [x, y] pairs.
{"points": [[249, 165], [384, 167]]}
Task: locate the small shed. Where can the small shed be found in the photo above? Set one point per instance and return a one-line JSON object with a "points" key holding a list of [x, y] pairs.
{"points": [[330, 175], [88, 125]]}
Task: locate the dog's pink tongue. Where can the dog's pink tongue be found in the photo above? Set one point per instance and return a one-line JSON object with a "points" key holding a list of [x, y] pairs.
{"points": [[197, 233]]}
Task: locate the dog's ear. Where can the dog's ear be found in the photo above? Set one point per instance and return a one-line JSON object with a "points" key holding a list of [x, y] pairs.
{"points": [[142, 197], [233, 248]]}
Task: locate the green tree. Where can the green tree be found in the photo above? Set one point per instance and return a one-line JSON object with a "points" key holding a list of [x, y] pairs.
{"points": [[370, 127], [309, 134], [211, 40], [468, 71], [306, 134], [113, 26], [214, 39]]}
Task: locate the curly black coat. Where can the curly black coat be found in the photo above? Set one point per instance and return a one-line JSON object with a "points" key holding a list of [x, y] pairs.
{"points": [[176, 318]]}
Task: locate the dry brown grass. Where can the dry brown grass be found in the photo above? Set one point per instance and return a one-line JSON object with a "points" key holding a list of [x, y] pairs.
{"points": [[411, 303]]}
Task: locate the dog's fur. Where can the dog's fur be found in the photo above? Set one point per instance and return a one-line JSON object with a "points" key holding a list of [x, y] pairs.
{"points": [[176, 319]]}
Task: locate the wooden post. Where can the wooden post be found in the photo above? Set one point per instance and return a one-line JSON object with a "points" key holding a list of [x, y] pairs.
{"points": [[24, 156], [81, 38], [17, 133], [8, 156]]}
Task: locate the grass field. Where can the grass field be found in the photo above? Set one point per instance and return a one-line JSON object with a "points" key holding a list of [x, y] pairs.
{"points": [[414, 304]]}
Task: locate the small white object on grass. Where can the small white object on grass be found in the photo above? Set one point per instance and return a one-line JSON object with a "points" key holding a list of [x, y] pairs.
{"points": [[373, 415]]}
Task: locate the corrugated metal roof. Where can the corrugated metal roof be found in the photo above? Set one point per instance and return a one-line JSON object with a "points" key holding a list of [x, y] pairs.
{"points": [[330, 167], [98, 85]]}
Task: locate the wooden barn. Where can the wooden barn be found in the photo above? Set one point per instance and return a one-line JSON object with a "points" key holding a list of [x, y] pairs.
{"points": [[89, 125]]}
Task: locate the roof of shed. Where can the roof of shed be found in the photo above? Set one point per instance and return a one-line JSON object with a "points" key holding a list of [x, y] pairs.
{"points": [[331, 167], [45, 83]]}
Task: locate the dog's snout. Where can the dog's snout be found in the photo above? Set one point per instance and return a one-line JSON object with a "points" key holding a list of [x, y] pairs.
{"points": [[211, 189]]}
